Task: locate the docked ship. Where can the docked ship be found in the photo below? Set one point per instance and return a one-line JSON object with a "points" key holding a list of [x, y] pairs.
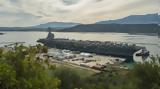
{"points": [[1, 33], [117, 49]]}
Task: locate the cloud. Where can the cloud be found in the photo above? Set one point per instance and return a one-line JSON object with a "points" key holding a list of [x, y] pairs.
{"points": [[85, 11]]}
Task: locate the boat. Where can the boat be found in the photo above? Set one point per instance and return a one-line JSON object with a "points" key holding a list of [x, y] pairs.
{"points": [[1, 33], [144, 52], [116, 49]]}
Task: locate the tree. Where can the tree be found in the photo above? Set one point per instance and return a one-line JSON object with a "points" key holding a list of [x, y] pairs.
{"points": [[20, 70], [1, 52], [70, 79], [147, 75], [7, 76]]}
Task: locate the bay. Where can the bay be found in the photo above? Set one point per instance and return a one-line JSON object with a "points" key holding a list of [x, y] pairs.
{"points": [[150, 41]]}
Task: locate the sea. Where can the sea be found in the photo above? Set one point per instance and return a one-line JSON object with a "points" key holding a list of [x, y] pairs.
{"points": [[150, 41]]}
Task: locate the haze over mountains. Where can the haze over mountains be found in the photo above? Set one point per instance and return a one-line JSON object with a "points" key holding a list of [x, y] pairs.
{"points": [[119, 28], [132, 19], [135, 19], [57, 25], [134, 23]]}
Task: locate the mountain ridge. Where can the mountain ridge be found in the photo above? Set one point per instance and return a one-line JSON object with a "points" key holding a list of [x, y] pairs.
{"points": [[57, 25], [131, 19], [134, 19], [122, 28]]}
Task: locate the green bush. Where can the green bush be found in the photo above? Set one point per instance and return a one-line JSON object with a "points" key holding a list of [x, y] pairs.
{"points": [[7, 76], [147, 75], [70, 79], [19, 69]]}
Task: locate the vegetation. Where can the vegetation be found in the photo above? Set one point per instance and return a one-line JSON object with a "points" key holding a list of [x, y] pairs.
{"points": [[20, 69]]}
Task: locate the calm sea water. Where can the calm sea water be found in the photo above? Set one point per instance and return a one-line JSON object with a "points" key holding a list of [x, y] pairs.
{"points": [[150, 41]]}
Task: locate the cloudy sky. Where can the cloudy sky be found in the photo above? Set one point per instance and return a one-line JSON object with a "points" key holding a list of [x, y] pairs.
{"points": [[32, 12]]}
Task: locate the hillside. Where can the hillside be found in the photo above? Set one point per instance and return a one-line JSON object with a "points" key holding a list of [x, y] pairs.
{"points": [[135, 19], [57, 25], [124, 28]]}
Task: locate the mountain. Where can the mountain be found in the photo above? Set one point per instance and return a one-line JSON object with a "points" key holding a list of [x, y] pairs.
{"points": [[57, 25], [122, 28], [135, 19]]}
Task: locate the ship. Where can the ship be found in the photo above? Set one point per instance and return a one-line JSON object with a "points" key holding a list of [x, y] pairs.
{"points": [[1, 33], [116, 49]]}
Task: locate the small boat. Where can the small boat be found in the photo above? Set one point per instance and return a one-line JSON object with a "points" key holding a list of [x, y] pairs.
{"points": [[144, 52], [1, 33]]}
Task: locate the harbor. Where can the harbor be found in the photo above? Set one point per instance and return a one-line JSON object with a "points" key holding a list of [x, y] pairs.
{"points": [[80, 59], [149, 41], [89, 61], [83, 59]]}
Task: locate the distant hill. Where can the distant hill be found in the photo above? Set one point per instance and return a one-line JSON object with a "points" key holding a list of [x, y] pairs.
{"points": [[22, 29], [122, 28], [131, 24], [135, 19], [57, 25]]}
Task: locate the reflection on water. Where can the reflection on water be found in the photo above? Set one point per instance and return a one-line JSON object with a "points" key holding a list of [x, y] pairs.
{"points": [[151, 42]]}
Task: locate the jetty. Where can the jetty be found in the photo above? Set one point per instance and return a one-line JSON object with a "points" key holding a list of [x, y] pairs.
{"points": [[117, 49]]}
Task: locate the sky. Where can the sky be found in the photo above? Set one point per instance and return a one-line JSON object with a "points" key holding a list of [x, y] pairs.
{"points": [[19, 13]]}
